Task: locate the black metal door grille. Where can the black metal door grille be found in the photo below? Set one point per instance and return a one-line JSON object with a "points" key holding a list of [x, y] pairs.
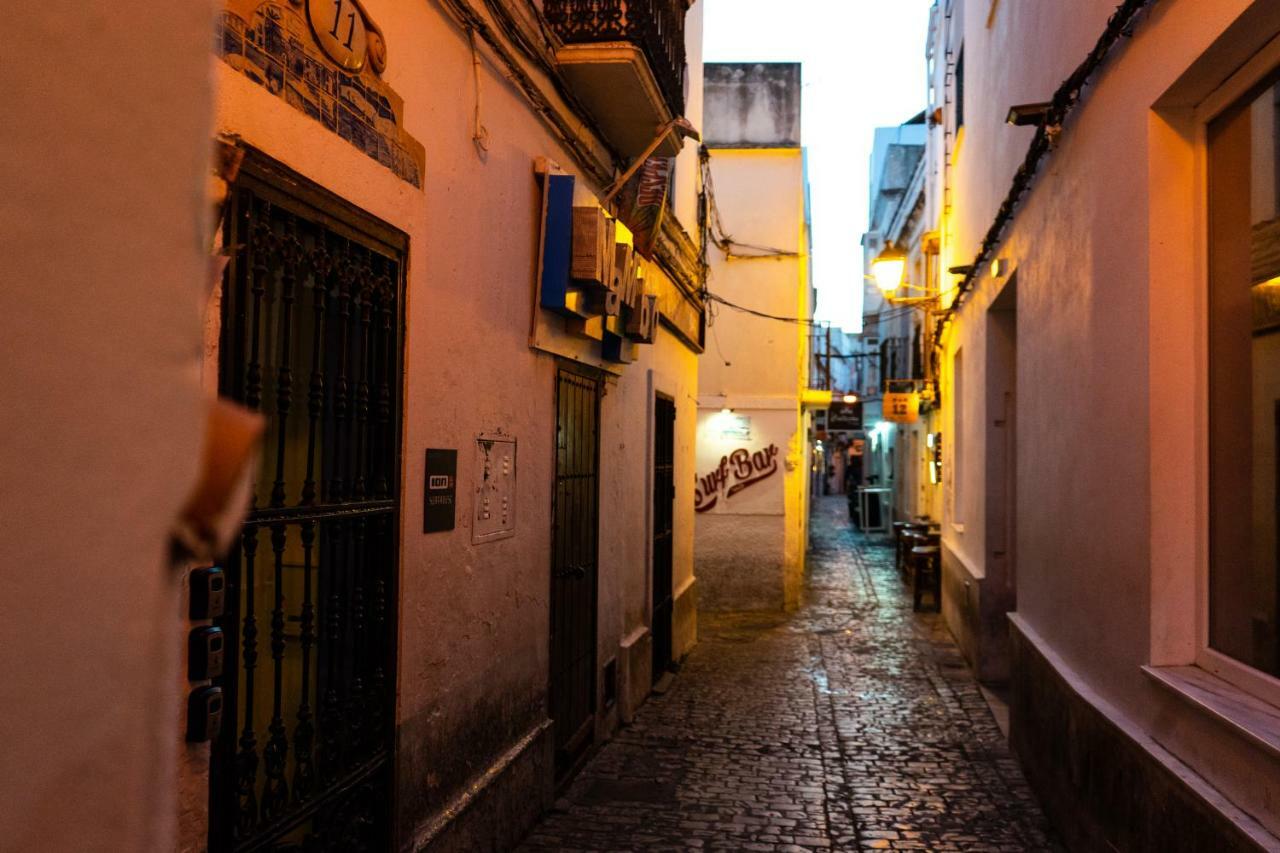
{"points": [[664, 494], [573, 567], [311, 337]]}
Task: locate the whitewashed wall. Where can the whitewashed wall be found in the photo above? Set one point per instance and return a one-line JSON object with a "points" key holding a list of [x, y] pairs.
{"points": [[103, 231]]}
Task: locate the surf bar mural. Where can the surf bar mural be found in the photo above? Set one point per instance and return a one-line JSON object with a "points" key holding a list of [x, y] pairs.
{"points": [[740, 470]]}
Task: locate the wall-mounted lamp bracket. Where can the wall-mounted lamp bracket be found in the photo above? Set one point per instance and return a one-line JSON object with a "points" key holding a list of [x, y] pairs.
{"points": [[1028, 115]]}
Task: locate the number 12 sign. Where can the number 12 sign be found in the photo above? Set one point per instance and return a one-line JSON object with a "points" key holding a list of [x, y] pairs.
{"points": [[339, 28]]}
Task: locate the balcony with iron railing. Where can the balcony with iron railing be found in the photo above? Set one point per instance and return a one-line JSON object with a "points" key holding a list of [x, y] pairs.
{"points": [[625, 60]]}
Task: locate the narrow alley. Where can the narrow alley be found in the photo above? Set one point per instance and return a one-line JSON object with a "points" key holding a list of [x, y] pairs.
{"points": [[525, 426], [850, 724]]}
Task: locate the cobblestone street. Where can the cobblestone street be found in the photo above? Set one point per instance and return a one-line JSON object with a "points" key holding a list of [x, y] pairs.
{"points": [[851, 724]]}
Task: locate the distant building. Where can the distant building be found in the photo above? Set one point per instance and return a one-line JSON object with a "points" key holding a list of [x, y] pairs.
{"points": [[894, 339], [753, 455], [838, 429]]}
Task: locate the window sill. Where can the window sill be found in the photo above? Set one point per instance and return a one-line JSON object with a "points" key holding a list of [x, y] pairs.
{"points": [[1243, 713]]}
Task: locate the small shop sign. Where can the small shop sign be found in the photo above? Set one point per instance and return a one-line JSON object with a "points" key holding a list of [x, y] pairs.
{"points": [[901, 408], [844, 417], [735, 426]]}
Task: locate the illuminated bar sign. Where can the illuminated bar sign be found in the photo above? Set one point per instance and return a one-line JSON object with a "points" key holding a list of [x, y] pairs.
{"points": [[844, 417]]}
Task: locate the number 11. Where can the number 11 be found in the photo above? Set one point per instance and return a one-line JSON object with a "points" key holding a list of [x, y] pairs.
{"points": [[337, 19]]}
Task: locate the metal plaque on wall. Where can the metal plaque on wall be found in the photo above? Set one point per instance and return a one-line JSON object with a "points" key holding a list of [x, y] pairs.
{"points": [[494, 482], [441, 498]]}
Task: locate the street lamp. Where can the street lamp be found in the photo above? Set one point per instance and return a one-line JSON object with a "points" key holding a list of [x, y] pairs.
{"points": [[889, 272], [889, 269], [850, 399]]}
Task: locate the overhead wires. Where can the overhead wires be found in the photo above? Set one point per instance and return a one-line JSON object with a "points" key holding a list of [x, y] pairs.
{"points": [[801, 321], [886, 316], [715, 229]]}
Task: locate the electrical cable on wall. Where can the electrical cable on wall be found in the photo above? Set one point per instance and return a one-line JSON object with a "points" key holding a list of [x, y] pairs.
{"points": [[801, 321], [712, 313], [1065, 101], [717, 299], [566, 134], [715, 229], [502, 18], [479, 133]]}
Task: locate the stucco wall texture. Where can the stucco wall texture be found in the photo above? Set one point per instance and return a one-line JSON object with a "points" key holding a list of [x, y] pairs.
{"points": [[761, 200], [474, 620], [1106, 254], [750, 548], [752, 105], [103, 228]]}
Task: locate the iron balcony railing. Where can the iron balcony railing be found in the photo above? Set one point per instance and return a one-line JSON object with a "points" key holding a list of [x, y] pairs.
{"points": [[655, 26]]}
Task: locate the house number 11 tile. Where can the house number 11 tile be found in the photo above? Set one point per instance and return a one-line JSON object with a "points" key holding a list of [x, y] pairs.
{"points": [[340, 30]]}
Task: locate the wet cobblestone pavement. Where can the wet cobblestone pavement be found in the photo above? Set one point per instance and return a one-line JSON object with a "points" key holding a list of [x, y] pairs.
{"points": [[851, 724]]}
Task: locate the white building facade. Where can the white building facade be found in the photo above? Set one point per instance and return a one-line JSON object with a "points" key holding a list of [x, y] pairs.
{"points": [[1109, 390], [753, 447]]}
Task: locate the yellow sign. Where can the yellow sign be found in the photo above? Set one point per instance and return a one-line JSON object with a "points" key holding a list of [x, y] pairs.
{"points": [[901, 408]]}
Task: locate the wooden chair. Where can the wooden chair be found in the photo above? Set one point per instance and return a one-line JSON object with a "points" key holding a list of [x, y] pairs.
{"points": [[900, 547], [912, 535], [926, 572]]}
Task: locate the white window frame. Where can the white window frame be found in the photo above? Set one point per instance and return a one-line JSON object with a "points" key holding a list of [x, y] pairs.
{"points": [[959, 440], [1239, 674]]}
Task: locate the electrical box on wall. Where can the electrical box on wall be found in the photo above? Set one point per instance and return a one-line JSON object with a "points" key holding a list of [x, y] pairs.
{"points": [[494, 510]]}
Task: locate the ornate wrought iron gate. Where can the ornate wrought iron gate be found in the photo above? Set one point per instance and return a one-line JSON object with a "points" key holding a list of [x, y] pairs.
{"points": [[573, 567], [664, 495], [311, 337]]}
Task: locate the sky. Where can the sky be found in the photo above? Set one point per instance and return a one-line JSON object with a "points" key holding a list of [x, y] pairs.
{"points": [[864, 68]]}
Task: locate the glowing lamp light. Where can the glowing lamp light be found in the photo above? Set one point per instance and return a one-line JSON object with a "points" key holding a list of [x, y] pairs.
{"points": [[726, 411], [850, 399], [889, 268]]}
